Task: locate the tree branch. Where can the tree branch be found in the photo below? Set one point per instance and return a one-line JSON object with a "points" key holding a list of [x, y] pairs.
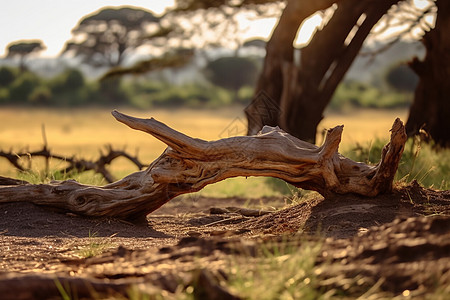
{"points": [[189, 164], [77, 165]]}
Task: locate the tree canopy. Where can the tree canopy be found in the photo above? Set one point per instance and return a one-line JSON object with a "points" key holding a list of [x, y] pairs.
{"points": [[23, 48], [232, 72], [302, 88], [104, 38]]}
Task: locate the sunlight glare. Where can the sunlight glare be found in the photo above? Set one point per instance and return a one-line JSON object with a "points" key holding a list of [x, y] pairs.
{"points": [[263, 28], [308, 29]]}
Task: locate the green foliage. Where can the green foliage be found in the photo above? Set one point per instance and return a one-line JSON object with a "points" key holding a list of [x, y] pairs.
{"points": [[430, 167], [401, 78], [7, 76], [281, 186], [4, 95], [71, 88], [361, 95], [24, 47], [111, 91], [23, 87], [73, 79], [41, 95], [280, 271], [103, 38], [245, 94], [232, 72], [160, 94], [192, 95], [94, 247], [42, 174]]}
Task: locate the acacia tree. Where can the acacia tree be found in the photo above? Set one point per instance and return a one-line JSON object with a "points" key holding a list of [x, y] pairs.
{"points": [[293, 94], [301, 91], [431, 108], [22, 49], [106, 37], [232, 72]]}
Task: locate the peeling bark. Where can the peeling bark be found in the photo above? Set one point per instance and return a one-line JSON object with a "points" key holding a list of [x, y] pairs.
{"points": [[189, 164]]}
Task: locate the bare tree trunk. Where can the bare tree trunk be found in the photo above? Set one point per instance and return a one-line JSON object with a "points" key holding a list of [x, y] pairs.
{"points": [[431, 107], [303, 91], [279, 51], [189, 164]]}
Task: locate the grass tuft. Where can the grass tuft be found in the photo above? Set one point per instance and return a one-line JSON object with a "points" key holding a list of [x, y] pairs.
{"points": [[421, 162], [96, 246], [280, 271]]}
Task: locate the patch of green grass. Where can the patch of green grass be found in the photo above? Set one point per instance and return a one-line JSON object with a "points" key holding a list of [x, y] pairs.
{"points": [[64, 290], [40, 176], [280, 271], [430, 167], [251, 187], [96, 246]]}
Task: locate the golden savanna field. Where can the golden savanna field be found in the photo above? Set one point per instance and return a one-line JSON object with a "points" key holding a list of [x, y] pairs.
{"points": [[83, 131]]}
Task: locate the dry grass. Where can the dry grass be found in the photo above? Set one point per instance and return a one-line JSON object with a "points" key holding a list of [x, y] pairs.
{"points": [[83, 132], [362, 126]]}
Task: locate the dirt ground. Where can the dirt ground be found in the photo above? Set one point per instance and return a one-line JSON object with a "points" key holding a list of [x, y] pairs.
{"points": [[398, 243]]}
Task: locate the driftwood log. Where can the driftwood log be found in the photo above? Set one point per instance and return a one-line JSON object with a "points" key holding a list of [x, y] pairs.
{"points": [[189, 164]]}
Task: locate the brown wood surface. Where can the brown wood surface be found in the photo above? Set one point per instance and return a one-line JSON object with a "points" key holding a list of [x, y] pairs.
{"points": [[189, 164]]}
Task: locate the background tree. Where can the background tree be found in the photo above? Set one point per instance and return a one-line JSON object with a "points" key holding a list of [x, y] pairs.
{"points": [[431, 107], [232, 72], [106, 37], [301, 90], [7, 76], [22, 49], [402, 78], [293, 92]]}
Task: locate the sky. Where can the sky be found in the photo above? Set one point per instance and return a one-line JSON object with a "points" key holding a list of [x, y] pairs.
{"points": [[52, 20]]}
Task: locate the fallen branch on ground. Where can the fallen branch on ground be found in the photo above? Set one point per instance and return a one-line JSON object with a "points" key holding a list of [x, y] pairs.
{"points": [[74, 164], [189, 164]]}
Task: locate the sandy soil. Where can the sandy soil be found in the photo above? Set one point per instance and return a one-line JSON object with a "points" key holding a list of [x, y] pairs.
{"points": [[398, 242]]}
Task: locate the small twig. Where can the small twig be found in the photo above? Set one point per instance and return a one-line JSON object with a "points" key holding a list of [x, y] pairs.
{"points": [[47, 159], [227, 219]]}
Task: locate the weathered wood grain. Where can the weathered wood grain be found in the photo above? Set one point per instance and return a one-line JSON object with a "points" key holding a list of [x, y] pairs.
{"points": [[189, 164]]}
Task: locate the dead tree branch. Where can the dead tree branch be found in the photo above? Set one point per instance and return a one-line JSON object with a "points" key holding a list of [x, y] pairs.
{"points": [[189, 164], [74, 164]]}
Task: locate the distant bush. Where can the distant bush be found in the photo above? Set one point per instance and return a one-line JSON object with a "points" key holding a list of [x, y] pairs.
{"points": [[7, 76], [70, 79], [362, 95], [164, 95], [4, 95], [23, 86], [41, 95], [71, 88], [401, 78], [233, 72]]}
